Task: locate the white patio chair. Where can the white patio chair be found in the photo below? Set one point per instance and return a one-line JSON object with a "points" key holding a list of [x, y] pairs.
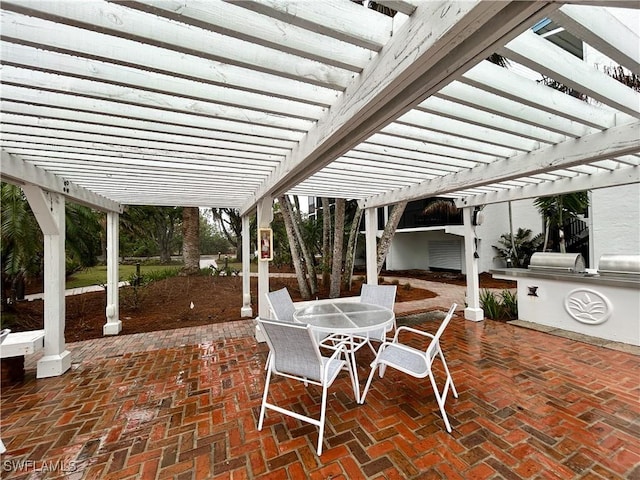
{"points": [[295, 354], [417, 363], [281, 305], [282, 308], [384, 296]]}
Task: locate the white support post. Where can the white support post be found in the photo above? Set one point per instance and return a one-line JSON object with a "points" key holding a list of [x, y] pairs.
{"points": [[370, 233], [112, 311], [473, 311], [265, 216], [246, 310], [48, 209]]}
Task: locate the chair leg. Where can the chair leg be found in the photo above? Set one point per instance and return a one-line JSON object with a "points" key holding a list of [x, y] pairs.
{"points": [[350, 360], [263, 408], [323, 407], [440, 399], [375, 352], [449, 377], [374, 364]]}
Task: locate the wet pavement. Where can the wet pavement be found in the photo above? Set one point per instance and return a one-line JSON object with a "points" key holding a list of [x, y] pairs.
{"points": [[184, 404]]}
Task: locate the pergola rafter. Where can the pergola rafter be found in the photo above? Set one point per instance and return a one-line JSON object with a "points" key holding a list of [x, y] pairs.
{"points": [[227, 102]]}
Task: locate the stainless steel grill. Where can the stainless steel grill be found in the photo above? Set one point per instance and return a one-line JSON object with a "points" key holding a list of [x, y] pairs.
{"points": [[619, 266], [557, 262]]}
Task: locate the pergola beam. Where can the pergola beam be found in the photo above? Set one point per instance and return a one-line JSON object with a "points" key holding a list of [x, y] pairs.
{"points": [[15, 170], [541, 55], [435, 43], [604, 32], [616, 141], [622, 176]]}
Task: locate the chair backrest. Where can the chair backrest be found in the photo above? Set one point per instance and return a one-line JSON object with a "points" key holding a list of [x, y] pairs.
{"points": [[433, 347], [294, 350], [383, 295], [281, 305]]}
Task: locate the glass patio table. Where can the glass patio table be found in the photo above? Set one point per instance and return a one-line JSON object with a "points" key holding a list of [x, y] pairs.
{"points": [[347, 322]]}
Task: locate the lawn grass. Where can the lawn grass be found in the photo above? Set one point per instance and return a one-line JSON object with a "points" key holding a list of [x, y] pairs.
{"points": [[98, 275]]}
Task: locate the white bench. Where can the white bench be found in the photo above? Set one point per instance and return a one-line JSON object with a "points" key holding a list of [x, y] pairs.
{"points": [[22, 343]]}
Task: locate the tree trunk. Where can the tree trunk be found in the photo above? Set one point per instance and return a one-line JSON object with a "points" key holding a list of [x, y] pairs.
{"points": [[164, 244], [191, 240], [326, 242], [338, 243], [389, 232], [293, 247], [308, 258], [562, 244], [351, 250]]}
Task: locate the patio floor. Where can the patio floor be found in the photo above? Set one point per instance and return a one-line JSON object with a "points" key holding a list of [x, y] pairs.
{"points": [[184, 405]]}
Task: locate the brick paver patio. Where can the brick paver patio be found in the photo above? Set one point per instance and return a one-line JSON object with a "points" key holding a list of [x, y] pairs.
{"points": [[531, 405]]}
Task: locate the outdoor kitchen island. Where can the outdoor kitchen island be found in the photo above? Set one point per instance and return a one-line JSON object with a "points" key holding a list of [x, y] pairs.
{"points": [[557, 291]]}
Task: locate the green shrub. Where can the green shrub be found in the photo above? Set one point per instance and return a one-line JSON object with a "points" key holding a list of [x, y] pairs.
{"points": [[407, 286], [510, 304], [153, 276], [490, 304], [502, 306]]}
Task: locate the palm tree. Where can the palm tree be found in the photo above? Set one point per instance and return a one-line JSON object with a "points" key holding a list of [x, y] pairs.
{"points": [[84, 231], [191, 240], [21, 242], [557, 209], [517, 249]]}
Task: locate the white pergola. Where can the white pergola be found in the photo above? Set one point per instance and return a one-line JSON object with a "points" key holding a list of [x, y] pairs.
{"points": [[230, 104]]}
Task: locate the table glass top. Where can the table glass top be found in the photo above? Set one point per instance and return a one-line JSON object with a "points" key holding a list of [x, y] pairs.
{"points": [[349, 317]]}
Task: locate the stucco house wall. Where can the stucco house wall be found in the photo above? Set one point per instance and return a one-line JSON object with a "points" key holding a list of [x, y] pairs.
{"points": [[615, 221], [410, 248]]}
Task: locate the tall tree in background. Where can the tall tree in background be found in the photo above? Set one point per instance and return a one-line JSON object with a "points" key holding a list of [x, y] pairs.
{"points": [[350, 252], [294, 245], [191, 240], [389, 232], [338, 243], [326, 241], [310, 266], [155, 225], [230, 222]]}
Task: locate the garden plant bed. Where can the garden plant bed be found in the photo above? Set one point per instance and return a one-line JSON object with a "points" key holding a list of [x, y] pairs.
{"points": [[178, 302]]}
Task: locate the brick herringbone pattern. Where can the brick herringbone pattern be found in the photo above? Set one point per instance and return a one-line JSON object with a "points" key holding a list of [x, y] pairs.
{"points": [[531, 406]]}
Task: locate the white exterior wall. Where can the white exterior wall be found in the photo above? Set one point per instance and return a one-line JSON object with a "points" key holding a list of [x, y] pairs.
{"points": [[496, 223], [615, 221], [410, 249]]}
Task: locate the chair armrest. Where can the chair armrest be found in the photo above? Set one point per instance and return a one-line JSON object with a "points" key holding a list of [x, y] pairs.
{"points": [[410, 330]]}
